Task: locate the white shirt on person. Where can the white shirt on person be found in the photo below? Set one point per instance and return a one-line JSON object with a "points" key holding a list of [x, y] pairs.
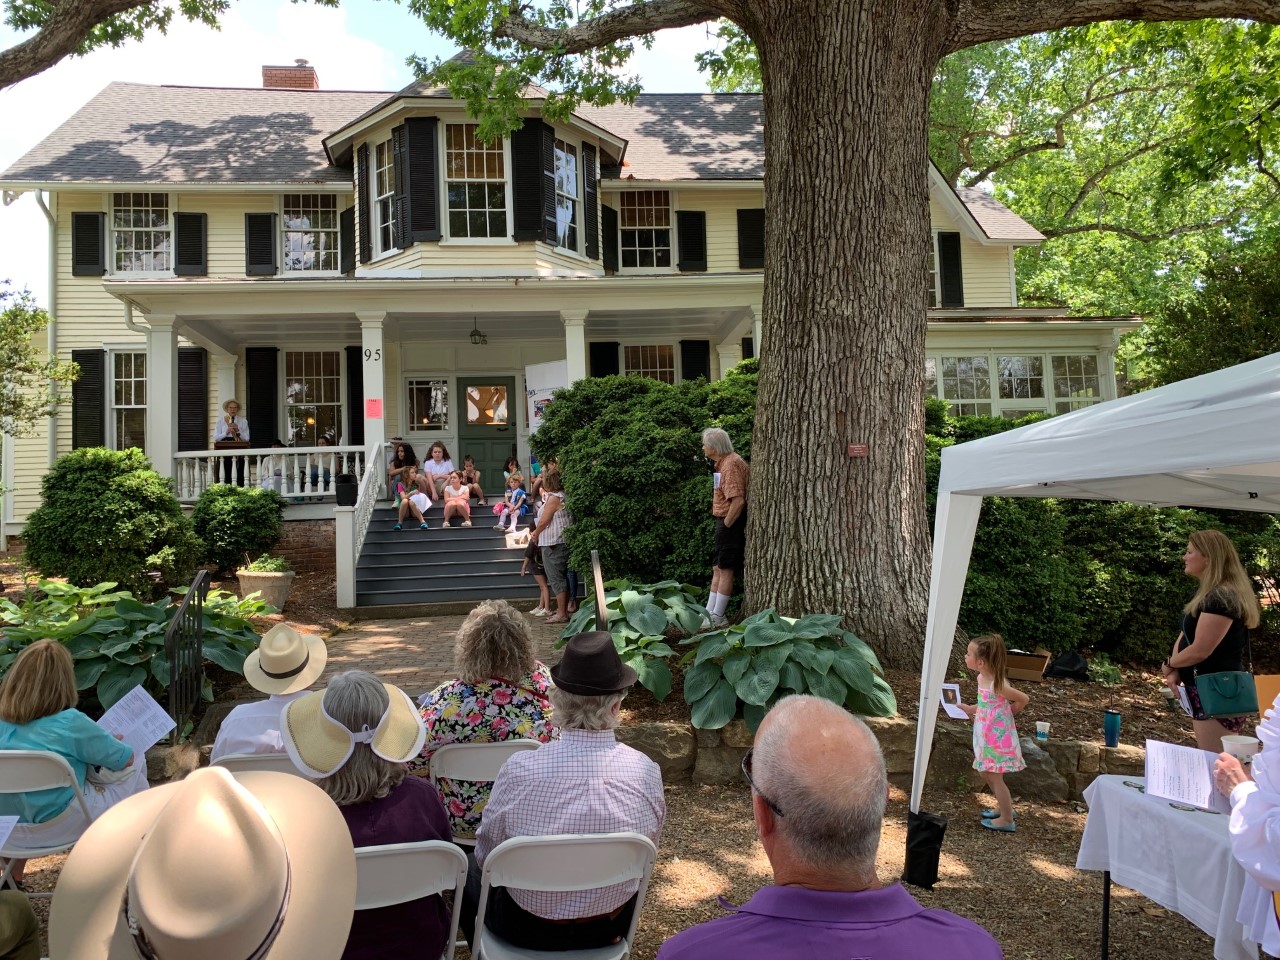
{"points": [[253, 727], [222, 429], [441, 469], [1255, 838]]}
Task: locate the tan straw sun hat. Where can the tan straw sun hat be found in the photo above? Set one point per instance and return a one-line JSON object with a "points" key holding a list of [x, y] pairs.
{"points": [[319, 745], [214, 867], [286, 661]]}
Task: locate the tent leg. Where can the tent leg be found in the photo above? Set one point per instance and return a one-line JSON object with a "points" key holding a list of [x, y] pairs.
{"points": [[1106, 913]]}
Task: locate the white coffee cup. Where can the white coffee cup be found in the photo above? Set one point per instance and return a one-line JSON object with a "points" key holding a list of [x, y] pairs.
{"points": [[1240, 747], [1042, 729]]}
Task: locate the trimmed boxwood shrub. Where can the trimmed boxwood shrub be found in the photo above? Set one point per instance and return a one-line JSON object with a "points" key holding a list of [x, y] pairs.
{"points": [[236, 523], [105, 515]]}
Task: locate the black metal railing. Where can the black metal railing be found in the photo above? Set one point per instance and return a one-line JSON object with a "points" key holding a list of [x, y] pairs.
{"points": [[183, 645]]}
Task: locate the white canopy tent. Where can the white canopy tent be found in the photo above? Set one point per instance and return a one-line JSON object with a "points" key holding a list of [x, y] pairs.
{"points": [[1213, 441]]}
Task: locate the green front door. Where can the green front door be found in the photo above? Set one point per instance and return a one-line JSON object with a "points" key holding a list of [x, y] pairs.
{"points": [[488, 427]]}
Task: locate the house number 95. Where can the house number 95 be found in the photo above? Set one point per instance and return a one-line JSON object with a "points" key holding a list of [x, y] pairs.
{"points": [[374, 355]]}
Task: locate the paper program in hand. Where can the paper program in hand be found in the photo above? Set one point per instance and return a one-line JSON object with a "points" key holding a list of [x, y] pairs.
{"points": [[950, 701], [139, 720]]}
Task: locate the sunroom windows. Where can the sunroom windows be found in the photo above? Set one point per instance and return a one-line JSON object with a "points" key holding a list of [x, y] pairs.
{"points": [[1013, 384]]}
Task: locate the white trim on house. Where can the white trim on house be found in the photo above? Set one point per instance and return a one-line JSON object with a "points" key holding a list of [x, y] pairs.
{"points": [[171, 186]]}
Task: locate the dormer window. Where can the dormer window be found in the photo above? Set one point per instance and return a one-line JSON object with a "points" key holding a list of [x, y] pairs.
{"points": [[568, 191], [644, 222], [475, 183], [384, 203], [935, 295], [310, 227], [141, 233]]}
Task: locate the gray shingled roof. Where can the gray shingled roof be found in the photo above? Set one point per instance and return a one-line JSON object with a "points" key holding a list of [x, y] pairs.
{"points": [[996, 220], [137, 133], [687, 136]]}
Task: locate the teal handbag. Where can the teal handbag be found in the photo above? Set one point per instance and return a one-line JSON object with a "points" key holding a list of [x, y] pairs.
{"points": [[1229, 693]]}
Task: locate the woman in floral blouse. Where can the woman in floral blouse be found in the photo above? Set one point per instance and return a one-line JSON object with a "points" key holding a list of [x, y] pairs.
{"points": [[500, 694]]}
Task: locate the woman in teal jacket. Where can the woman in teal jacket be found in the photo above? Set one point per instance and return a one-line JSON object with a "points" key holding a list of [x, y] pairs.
{"points": [[38, 712]]}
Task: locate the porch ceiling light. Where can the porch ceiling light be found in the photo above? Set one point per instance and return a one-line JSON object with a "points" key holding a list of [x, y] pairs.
{"points": [[477, 337]]}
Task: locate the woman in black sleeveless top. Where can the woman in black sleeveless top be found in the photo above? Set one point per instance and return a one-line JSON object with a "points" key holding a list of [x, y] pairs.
{"points": [[1215, 628]]}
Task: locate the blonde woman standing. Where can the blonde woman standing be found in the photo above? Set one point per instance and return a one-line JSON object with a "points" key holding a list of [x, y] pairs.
{"points": [[1215, 628]]}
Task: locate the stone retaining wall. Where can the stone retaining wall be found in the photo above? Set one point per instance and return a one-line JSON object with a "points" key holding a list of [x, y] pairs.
{"points": [[1057, 770]]}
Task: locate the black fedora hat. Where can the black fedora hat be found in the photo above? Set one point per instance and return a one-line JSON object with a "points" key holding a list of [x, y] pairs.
{"points": [[591, 666]]}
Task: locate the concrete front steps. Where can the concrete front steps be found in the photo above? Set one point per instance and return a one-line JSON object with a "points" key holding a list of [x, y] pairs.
{"points": [[453, 565]]}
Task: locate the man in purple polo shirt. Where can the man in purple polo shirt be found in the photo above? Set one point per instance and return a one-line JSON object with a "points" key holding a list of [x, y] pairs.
{"points": [[818, 794]]}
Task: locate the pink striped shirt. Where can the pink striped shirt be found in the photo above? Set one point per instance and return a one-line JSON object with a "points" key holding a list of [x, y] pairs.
{"points": [[585, 782]]}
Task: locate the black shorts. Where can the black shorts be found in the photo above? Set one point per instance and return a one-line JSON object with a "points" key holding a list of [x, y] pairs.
{"points": [[731, 544]]}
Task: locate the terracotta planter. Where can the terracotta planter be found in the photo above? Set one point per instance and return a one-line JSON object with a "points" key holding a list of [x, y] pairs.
{"points": [[274, 587]]}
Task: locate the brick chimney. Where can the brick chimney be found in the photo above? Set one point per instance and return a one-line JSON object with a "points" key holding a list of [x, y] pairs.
{"points": [[301, 76]]}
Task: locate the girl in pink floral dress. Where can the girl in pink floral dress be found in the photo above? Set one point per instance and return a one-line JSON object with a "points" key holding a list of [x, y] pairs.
{"points": [[996, 750]]}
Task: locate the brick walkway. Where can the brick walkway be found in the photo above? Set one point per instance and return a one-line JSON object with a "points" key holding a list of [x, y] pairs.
{"points": [[416, 654]]}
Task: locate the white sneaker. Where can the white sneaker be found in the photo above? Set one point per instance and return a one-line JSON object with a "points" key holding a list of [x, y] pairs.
{"points": [[539, 612], [718, 621]]}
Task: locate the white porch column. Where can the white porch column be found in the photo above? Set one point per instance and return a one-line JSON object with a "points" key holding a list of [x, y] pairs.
{"points": [[162, 393], [375, 430], [727, 356], [756, 312], [575, 343]]}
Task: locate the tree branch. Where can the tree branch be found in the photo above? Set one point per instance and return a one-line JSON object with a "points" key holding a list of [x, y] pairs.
{"points": [[641, 17], [1107, 169], [982, 21], [1132, 234], [61, 36]]}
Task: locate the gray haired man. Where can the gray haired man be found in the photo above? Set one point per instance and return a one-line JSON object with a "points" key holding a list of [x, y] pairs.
{"points": [[818, 792], [729, 507]]}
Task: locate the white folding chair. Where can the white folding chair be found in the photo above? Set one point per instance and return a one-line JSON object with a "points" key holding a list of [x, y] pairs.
{"points": [[24, 771], [572, 861], [474, 762], [259, 763], [399, 872]]}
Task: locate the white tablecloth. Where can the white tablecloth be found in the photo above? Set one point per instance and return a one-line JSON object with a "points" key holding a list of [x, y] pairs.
{"points": [[1181, 859]]}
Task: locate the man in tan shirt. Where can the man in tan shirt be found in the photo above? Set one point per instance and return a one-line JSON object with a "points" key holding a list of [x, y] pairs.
{"points": [[729, 507]]}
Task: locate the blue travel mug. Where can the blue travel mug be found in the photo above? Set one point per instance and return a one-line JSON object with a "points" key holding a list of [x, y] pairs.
{"points": [[1111, 727]]}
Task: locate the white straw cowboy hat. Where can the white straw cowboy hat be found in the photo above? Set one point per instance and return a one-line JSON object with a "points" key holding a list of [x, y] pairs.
{"points": [[213, 867], [320, 745], [227, 403], [286, 661]]}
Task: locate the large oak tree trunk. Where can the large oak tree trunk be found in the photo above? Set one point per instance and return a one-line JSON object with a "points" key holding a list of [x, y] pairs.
{"points": [[846, 97]]}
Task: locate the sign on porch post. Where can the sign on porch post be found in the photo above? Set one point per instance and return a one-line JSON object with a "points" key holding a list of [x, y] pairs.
{"points": [[373, 408], [540, 379]]}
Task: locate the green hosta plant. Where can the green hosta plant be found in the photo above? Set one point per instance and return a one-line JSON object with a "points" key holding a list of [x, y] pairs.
{"points": [[117, 641], [642, 617], [767, 656]]}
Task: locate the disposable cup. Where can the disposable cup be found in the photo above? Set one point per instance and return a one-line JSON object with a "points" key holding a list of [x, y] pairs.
{"points": [[1240, 747], [1042, 729]]}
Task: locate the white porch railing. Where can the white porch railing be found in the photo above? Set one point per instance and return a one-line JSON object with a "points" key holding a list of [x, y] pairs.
{"points": [[294, 472], [352, 523]]}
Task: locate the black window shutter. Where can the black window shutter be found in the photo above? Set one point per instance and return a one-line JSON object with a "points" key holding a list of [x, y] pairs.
{"points": [[695, 359], [400, 199], [751, 239], [549, 184], [191, 249], [949, 270], [88, 244], [259, 248], [603, 358], [355, 398], [193, 399], [89, 398], [422, 179], [590, 220], [691, 235], [526, 180], [262, 405], [748, 347], [347, 241], [609, 224], [364, 202]]}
